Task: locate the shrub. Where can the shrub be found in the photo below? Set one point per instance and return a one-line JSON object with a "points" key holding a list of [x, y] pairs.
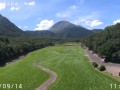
{"points": [[95, 65], [102, 68]]}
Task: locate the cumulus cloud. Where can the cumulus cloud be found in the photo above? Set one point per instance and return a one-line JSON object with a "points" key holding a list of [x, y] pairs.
{"points": [[30, 3], [91, 23], [14, 8], [116, 21], [94, 23], [91, 20], [44, 25], [2, 5]]}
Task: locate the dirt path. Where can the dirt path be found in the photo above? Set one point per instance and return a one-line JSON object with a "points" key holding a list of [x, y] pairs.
{"points": [[111, 68], [52, 78]]}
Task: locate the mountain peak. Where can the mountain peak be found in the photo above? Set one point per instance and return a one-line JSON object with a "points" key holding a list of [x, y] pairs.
{"points": [[65, 29], [61, 25], [63, 21]]}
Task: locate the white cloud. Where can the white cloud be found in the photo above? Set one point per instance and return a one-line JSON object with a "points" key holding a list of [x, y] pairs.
{"points": [[2, 5], [91, 20], [44, 25], [116, 21], [91, 23], [94, 23], [30, 3], [14, 8]]}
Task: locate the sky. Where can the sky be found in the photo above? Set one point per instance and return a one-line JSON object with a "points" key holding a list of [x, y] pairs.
{"points": [[42, 14]]}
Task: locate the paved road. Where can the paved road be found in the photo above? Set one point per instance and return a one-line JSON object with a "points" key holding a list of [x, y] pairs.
{"points": [[52, 78]]}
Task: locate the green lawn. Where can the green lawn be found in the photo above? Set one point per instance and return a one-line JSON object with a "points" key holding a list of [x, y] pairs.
{"points": [[69, 62]]}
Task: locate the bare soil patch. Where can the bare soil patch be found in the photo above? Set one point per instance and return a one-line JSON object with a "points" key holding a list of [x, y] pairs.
{"points": [[111, 68]]}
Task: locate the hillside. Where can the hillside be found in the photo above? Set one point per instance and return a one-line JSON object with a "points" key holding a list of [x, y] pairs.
{"points": [[97, 30], [7, 28], [43, 33], [106, 43], [65, 29]]}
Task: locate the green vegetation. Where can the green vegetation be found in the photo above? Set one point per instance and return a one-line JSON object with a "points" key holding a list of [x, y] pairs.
{"points": [[95, 65], [74, 70], [102, 68], [106, 43], [70, 63], [23, 72], [11, 48]]}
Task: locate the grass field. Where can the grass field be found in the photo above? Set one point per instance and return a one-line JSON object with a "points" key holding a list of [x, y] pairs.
{"points": [[69, 62], [23, 72]]}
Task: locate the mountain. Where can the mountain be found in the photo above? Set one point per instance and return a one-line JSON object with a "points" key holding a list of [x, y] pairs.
{"points": [[65, 29], [8, 28], [97, 30], [61, 25], [43, 33], [106, 43], [62, 29]]}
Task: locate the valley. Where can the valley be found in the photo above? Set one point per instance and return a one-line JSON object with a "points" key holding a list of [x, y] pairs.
{"points": [[72, 66], [54, 59]]}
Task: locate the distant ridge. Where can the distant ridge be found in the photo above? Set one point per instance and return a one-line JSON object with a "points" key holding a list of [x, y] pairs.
{"points": [[97, 30], [42, 33]]}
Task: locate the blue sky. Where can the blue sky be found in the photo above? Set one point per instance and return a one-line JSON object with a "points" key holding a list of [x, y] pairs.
{"points": [[42, 14]]}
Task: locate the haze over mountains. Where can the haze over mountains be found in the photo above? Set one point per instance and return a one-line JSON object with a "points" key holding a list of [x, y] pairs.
{"points": [[62, 29]]}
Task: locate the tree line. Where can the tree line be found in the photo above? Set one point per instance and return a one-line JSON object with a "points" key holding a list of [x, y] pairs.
{"points": [[13, 47], [106, 43]]}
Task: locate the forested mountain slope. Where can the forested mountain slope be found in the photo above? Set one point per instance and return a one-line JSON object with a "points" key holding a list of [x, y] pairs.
{"points": [[106, 43]]}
